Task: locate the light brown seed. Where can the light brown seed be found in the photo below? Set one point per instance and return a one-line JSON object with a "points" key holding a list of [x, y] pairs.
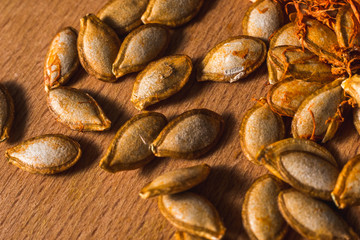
{"points": [[272, 71], [189, 135], [259, 127], [176, 181], [351, 87], [123, 15], [311, 218], [47, 154], [193, 214], [6, 113], [160, 80], [77, 110], [141, 46], [260, 213], [62, 58], [186, 236], [347, 28], [97, 46], [232, 59], [129, 148], [172, 13], [285, 36]]}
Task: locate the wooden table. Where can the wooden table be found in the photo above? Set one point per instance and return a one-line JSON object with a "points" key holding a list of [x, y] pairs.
{"points": [[86, 202]]}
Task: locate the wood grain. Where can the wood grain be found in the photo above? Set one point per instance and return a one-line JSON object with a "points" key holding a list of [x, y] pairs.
{"points": [[86, 202]]}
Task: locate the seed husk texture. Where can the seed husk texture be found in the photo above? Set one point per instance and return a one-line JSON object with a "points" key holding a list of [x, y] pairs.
{"points": [[6, 113], [347, 28], [285, 36], [47, 154], [351, 87], [179, 235]]}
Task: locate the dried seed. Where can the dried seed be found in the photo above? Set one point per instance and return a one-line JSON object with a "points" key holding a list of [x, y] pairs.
{"points": [[189, 135], [259, 127], [262, 19], [347, 28], [123, 15], [311, 218], [47, 154], [160, 80], [6, 113], [141, 46], [272, 71], [285, 36], [129, 148], [62, 58], [351, 87], [172, 13], [193, 214], [186, 236], [97, 46], [347, 188], [176, 181], [356, 119], [77, 110], [232, 59]]}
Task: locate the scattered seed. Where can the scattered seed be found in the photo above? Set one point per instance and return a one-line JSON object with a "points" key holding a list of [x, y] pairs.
{"points": [[347, 28], [351, 87], [285, 36], [272, 71], [186, 236], [6, 113]]}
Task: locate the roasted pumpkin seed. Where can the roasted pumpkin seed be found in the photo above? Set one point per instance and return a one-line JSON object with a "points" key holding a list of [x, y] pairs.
{"points": [[62, 58], [97, 46], [347, 28], [272, 71], [189, 135], [232, 59], [160, 80], [192, 213], [77, 110], [351, 87], [47, 154], [141, 46], [6, 113], [172, 13], [176, 181], [129, 148], [186, 236], [260, 213], [311, 218], [259, 127], [285, 36]]}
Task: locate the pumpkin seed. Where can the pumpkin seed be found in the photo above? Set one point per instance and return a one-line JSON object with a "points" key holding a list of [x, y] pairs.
{"points": [[47, 154], [139, 48], [286, 96], [172, 13], [262, 19], [260, 213], [347, 188], [192, 213], [62, 58], [97, 46], [176, 181], [285, 36], [356, 119], [129, 148], [123, 15], [259, 127], [319, 115], [77, 110], [232, 59], [311, 218], [6, 113], [272, 71], [161, 79], [347, 28], [186, 236], [351, 87], [189, 135]]}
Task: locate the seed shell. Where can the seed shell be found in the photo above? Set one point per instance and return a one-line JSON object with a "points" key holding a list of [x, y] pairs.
{"points": [[160, 80], [351, 87], [129, 148], [272, 71], [176, 181], [189, 135], [285, 36], [232, 59], [47, 154], [347, 28], [6, 113], [77, 110], [186, 236], [192, 213], [62, 59]]}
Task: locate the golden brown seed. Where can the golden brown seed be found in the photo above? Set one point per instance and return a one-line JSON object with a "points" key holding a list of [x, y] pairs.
{"points": [[259, 127], [129, 148], [176, 181], [62, 58], [123, 15], [186, 236], [47, 154], [189, 135], [6, 113], [97, 46], [232, 59], [262, 19], [260, 213], [160, 80], [311, 218], [172, 13], [347, 28], [347, 188], [193, 214], [285, 36], [141, 46], [77, 110], [272, 71], [351, 87]]}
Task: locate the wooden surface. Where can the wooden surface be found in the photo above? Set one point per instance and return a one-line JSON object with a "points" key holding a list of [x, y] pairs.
{"points": [[86, 202]]}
